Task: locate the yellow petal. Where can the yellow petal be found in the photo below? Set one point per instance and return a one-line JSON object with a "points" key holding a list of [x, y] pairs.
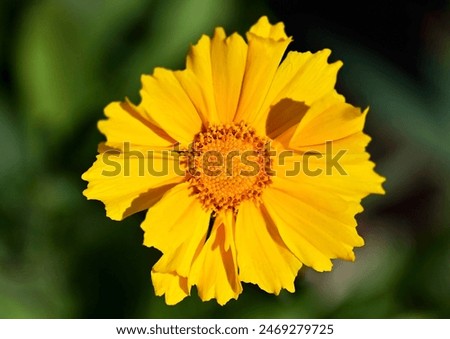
{"points": [[353, 178], [263, 257], [285, 214], [171, 285], [197, 81], [319, 201], [263, 57], [342, 168], [215, 269], [228, 65], [311, 234], [120, 180], [169, 107], [229, 220], [127, 123], [328, 120], [177, 226], [352, 144], [213, 76], [303, 78], [337, 213]]}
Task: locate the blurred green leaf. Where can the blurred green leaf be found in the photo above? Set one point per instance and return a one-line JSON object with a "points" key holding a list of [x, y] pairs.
{"points": [[432, 272], [13, 180], [101, 22], [11, 146], [50, 69], [34, 291], [59, 50]]}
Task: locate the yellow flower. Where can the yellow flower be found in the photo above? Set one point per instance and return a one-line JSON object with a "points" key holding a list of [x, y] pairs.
{"points": [[249, 166]]}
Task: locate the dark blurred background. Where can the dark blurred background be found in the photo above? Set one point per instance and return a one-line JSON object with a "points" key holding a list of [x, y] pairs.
{"points": [[62, 61]]}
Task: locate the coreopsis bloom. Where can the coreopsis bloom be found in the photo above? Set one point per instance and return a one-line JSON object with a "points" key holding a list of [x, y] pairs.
{"points": [[249, 166]]}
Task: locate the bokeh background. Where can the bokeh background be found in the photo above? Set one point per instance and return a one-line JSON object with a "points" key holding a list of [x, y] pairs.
{"points": [[62, 61]]}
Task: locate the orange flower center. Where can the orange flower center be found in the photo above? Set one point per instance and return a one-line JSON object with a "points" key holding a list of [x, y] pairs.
{"points": [[228, 164]]}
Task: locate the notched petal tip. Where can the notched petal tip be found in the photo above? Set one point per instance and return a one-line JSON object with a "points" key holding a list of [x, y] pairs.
{"points": [[263, 28], [326, 268], [172, 286], [381, 189], [219, 33]]}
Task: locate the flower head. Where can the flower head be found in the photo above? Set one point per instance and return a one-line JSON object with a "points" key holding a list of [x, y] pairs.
{"points": [[250, 166]]}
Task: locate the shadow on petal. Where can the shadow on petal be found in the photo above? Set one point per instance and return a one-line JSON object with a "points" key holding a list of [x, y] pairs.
{"points": [[283, 115], [147, 199]]}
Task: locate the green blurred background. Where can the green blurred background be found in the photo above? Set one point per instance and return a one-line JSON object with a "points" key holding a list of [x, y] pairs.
{"points": [[62, 61]]}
